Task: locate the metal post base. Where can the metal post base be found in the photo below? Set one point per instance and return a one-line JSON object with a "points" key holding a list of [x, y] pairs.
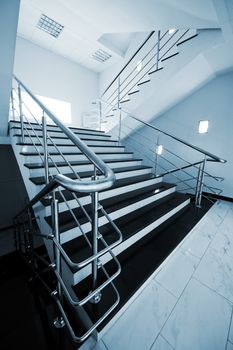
{"points": [[96, 298], [59, 322]]}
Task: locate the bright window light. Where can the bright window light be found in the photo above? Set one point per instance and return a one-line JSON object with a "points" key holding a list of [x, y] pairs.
{"points": [[171, 31], [61, 109], [203, 126], [139, 65], [159, 149]]}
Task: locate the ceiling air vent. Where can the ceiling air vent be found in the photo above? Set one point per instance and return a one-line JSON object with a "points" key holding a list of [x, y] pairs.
{"points": [[50, 26], [101, 55]]}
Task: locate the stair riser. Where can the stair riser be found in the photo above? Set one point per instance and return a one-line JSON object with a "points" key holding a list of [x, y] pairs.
{"points": [[69, 142], [122, 175], [78, 157], [80, 168], [68, 235], [71, 149], [78, 276], [81, 136]]}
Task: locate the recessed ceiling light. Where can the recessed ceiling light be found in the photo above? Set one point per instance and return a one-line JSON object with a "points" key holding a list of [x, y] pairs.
{"points": [[139, 65], [203, 126], [101, 55], [171, 31], [49, 26]]}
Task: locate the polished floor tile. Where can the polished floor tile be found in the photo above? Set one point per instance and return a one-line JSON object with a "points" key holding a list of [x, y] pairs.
{"points": [[161, 344], [200, 320], [177, 271], [138, 327]]}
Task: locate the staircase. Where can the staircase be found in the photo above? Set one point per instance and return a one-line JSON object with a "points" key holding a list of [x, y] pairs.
{"points": [[107, 220]]}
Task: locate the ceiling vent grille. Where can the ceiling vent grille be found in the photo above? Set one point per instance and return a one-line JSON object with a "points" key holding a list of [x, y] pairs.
{"points": [[50, 26], [101, 55]]}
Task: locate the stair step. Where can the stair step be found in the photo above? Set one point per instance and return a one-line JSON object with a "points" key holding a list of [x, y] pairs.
{"points": [[138, 263], [135, 226], [73, 163], [124, 185], [79, 156], [133, 92], [170, 56], [37, 169], [124, 101], [66, 142], [40, 180], [14, 124], [111, 205], [68, 227], [64, 137], [156, 70], [143, 82], [70, 149]]}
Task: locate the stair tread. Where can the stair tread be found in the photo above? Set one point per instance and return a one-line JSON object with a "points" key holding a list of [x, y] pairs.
{"points": [[152, 251], [40, 180], [69, 145], [131, 224], [69, 153], [109, 204], [118, 184], [84, 162], [55, 126], [84, 137]]}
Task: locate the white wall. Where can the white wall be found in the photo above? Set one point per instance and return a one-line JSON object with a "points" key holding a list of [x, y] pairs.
{"points": [[9, 11], [213, 102], [50, 75]]}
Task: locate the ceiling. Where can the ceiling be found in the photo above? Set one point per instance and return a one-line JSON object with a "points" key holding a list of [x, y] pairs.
{"points": [[91, 25]]}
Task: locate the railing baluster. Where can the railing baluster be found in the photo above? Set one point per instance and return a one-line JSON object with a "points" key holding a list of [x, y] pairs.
{"points": [[45, 148], [95, 226], [58, 322], [158, 49], [157, 155], [200, 182], [12, 105], [21, 113]]}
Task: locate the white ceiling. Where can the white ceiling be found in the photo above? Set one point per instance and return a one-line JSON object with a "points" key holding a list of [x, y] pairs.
{"points": [[108, 25]]}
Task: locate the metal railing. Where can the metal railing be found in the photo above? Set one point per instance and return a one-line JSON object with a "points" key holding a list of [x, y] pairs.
{"points": [[38, 135], [145, 62], [167, 155]]}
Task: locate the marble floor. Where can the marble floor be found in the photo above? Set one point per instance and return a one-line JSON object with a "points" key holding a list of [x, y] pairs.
{"points": [[187, 304]]}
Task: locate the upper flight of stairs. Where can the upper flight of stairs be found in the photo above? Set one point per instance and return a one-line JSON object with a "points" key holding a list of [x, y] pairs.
{"points": [[142, 206]]}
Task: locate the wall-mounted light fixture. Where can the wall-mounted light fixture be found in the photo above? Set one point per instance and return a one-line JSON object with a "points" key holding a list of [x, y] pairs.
{"points": [[159, 150], [203, 126]]}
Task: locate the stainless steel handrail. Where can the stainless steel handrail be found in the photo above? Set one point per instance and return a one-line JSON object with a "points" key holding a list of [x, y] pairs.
{"points": [[212, 156], [80, 186], [139, 49]]}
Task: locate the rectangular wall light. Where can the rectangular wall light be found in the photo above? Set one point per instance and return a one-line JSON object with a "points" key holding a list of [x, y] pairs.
{"points": [[203, 126]]}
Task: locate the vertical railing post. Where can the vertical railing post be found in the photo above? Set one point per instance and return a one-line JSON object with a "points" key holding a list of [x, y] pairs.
{"points": [[58, 322], [100, 114], [21, 113], [12, 105], [200, 183], [158, 49], [95, 227], [119, 108], [156, 155], [45, 148]]}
